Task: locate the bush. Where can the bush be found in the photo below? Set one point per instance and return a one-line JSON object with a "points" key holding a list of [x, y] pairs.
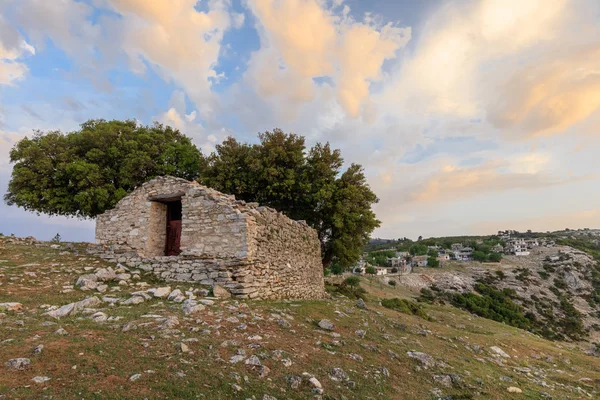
{"points": [[495, 257], [370, 270], [336, 269], [350, 287], [433, 262], [480, 256], [352, 281], [493, 304], [543, 274], [392, 282], [427, 296], [394, 270], [405, 306]]}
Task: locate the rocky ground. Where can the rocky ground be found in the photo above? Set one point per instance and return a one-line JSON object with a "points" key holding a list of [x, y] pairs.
{"points": [[73, 326], [540, 280]]}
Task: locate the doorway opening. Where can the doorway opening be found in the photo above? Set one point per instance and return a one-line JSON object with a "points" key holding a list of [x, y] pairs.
{"points": [[173, 236]]}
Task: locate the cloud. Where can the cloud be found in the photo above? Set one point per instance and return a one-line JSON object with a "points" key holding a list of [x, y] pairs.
{"points": [[12, 48], [181, 43], [177, 118], [301, 40]]}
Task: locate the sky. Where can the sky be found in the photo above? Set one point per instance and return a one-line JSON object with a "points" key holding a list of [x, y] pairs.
{"points": [[468, 116]]}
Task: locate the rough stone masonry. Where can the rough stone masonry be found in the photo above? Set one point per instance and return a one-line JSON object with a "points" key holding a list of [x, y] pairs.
{"points": [[253, 251]]}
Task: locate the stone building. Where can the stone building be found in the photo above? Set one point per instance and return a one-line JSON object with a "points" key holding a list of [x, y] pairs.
{"points": [[183, 231]]}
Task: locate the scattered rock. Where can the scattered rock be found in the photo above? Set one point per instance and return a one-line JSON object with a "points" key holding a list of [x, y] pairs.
{"points": [[87, 282], [128, 327], [191, 307], [102, 288], [498, 351], [40, 379], [220, 292], [73, 308], [169, 323], [176, 296], [162, 292], [135, 377], [443, 380], [284, 324], [360, 303], [106, 275], [425, 359], [18, 364], [38, 349], [61, 331], [513, 389], [182, 347], [294, 381], [237, 358], [133, 300], [15, 307], [338, 374], [326, 325], [314, 382], [99, 317], [253, 360]]}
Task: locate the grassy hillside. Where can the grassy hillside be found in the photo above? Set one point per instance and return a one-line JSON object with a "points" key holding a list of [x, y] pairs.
{"points": [[97, 360]]}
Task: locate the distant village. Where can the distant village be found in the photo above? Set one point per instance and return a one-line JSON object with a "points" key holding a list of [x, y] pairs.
{"points": [[403, 262]]}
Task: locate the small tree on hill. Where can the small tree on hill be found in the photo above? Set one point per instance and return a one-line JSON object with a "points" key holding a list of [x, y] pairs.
{"points": [[480, 256], [433, 262], [495, 257], [370, 270]]}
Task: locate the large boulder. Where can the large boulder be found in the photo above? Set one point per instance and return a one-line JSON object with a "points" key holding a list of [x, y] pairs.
{"points": [[73, 308], [106, 274], [87, 282], [220, 292]]}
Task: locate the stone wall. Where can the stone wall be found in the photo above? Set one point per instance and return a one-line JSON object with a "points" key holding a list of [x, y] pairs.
{"points": [[255, 252]]}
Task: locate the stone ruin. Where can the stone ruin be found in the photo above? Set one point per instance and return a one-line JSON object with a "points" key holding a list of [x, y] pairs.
{"points": [[183, 231]]}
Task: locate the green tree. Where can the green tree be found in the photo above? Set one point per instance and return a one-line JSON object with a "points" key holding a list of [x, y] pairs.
{"points": [[85, 172], [433, 262], [370, 270], [480, 256], [310, 186], [418, 250], [495, 257], [432, 253]]}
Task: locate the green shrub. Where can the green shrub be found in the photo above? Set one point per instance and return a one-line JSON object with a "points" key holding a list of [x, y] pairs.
{"points": [[392, 282], [394, 270], [405, 306], [427, 296], [480, 256], [433, 262], [543, 274], [495, 257], [352, 281], [370, 270], [493, 304], [337, 269]]}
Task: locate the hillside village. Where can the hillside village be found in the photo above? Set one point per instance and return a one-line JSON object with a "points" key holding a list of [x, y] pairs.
{"points": [[403, 262]]}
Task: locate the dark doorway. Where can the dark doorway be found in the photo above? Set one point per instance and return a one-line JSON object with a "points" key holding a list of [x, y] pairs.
{"points": [[173, 242]]}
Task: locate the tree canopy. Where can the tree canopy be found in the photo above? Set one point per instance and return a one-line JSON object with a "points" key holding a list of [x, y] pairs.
{"points": [[86, 172], [305, 185]]}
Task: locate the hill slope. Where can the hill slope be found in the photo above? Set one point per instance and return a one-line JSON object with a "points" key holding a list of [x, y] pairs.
{"points": [[228, 349]]}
